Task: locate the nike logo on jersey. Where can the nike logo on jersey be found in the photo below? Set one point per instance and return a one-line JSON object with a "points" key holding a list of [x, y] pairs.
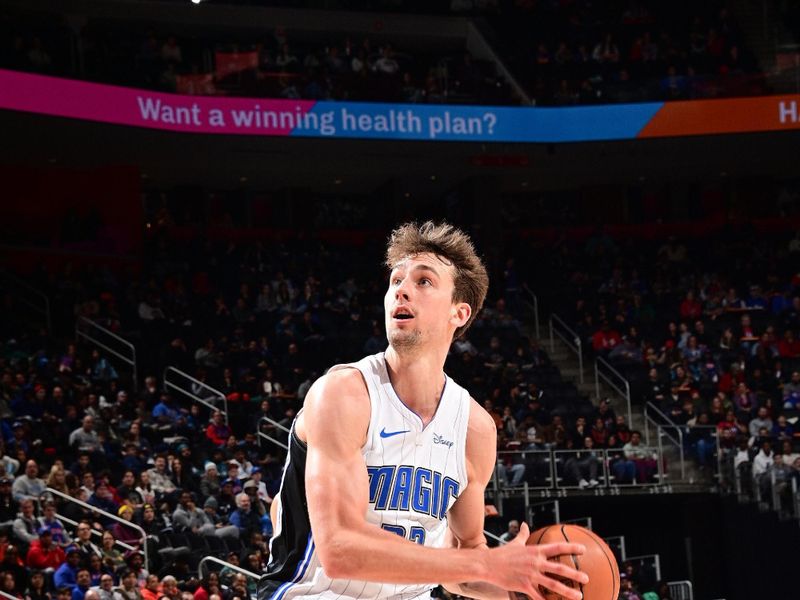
{"points": [[388, 434]]}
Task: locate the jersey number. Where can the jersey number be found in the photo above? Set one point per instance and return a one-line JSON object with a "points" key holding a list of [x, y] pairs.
{"points": [[415, 534]]}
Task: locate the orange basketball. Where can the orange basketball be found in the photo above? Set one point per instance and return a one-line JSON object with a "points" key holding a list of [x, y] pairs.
{"points": [[597, 562]]}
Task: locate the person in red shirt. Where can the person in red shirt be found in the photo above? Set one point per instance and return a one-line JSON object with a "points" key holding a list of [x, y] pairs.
{"points": [[691, 308], [218, 431], [789, 347], [605, 339], [43, 553]]}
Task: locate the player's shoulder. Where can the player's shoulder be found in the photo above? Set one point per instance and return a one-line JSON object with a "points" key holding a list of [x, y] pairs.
{"points": [[481, 424], [339, 385]]}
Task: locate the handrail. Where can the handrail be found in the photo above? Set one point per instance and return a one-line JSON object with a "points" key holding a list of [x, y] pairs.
{"points": [[128, 360], [133, 526], [20, 283], [580, 521], [681, 590], [621, 538], [261, 434], [656, 562], [218, 394], [96, 532], [574, 344], [492, 536], [535, 306], [626, 393], [661, 428], [606, 455], [219, 561]]}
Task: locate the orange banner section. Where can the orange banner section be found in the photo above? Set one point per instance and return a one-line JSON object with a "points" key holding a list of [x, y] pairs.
{"points": [[739, 115]]}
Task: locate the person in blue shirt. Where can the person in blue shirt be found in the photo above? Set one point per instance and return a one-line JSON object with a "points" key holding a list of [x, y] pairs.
{"points": [[167, 415], [66, 576], [84, 580]]}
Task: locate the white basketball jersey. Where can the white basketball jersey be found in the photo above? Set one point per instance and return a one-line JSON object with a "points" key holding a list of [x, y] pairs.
{"points": [[415, 475]]}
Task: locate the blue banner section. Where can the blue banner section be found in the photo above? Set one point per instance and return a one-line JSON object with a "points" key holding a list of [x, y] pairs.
{"points": [[478, 123]]}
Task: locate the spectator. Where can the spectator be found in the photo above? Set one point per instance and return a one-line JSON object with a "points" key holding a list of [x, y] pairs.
{"points": [[642, 457], [81, 591], [112, 558], [160, 478], [36, 587], [8, 506], [511, 532], [582, 467], [106, 590], [605, 339], [83, 542], [29, 485], [171, 51], [152, 588], [44, 554], [85, 437], [246, 519], [25, 525], [218, 431], [386, 64], [129, 588], [66, 576], [12, 565]]}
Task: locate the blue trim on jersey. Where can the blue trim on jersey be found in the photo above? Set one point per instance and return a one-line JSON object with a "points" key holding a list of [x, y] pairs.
{"points": [[299, 572]]}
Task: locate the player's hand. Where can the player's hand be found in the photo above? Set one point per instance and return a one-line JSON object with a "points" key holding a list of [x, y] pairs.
{"points": [[521, 568]]}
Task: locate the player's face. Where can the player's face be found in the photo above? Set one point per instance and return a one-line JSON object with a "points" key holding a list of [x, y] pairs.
{"points": [[419, 303]]}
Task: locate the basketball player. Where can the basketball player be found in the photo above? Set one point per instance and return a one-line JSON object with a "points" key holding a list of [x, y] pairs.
{"points": [[383, 490]]}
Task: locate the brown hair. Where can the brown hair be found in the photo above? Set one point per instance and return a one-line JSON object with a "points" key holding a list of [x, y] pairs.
{"points": [[454, 247]]}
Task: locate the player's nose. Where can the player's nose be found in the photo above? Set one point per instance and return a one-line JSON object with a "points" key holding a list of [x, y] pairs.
{"points": [[401, 291]]}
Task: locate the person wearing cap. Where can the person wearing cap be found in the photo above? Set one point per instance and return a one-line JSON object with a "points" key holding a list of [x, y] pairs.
{"points": [[43, 553], [122, 532], [263, 494], [29, 485], [66, 575], [259, 507], [209, 482], [226, 499], [8, 506], [234, 473], [245, 466]]}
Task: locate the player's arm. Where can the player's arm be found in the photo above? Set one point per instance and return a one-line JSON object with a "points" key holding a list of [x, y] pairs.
{"points": [[466, 518]]}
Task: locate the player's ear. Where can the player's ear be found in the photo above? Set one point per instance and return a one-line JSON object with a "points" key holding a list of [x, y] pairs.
{"points": [[460, 314]]}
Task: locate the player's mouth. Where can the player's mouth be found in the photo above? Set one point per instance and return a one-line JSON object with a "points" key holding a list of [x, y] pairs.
{"points": [[402, 313]]}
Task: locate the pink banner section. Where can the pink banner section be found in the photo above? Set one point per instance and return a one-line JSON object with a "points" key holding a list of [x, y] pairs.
{"points": [[141, 108]]}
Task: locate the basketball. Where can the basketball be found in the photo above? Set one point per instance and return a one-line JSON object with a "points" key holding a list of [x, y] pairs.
{"points": [[598, 562]]}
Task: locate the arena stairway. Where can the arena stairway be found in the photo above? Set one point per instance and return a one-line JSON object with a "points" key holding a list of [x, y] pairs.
{"points": [[567, 362]]}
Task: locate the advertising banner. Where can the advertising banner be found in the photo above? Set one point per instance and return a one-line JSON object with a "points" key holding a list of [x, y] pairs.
{"points": [[425, 122]]}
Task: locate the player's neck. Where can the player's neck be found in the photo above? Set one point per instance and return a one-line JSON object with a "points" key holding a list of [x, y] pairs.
{"points": [[418, 379]]}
